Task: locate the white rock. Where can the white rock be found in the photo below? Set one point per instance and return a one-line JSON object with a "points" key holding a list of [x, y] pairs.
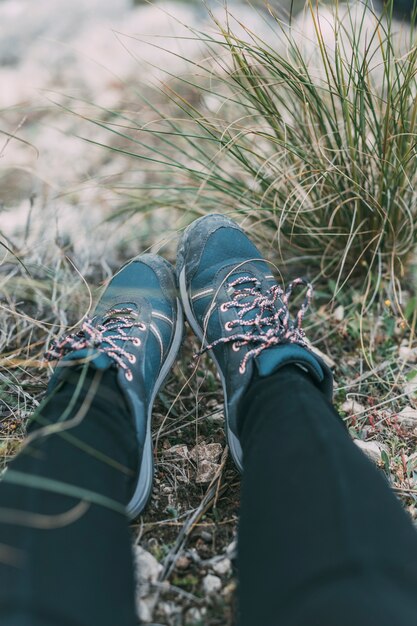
{"points": [[408, 417], [407, 354], [339, 313], [148, 568], [231, 550], [147, 572], [372, 449], [205, 456], [145, 608], [222, 567], [216, 418], [206, 451], [180, 450], [194, 616], [206, 471], [211, 584], [168, 609], [352, 407]]}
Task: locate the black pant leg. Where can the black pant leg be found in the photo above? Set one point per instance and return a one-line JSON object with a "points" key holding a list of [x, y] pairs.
{"points": [[65, 561], [322, 539]]}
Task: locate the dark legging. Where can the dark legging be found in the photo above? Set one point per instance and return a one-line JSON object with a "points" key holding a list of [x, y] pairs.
{"points": [[322, 540], [80, 572]]}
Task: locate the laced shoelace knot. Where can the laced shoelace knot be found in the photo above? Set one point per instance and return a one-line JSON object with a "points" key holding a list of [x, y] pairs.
{"points": [[103, 337], [271, 325]]}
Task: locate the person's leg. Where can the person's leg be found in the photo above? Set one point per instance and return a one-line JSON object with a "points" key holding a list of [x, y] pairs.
{"points": [[322, 539], [65, 560], [65, 554]]}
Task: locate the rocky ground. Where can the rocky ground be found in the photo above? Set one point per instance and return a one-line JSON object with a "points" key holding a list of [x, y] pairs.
{"points": [[59, 189]]}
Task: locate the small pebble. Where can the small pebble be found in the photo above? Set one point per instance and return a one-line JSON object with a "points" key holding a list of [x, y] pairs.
{"points": [[194, 616], [222, 567], [339, 313], [408, 417], [211, 584], [372, 449], [231, 550], [168, 608], [206, 452], [180, 451], [352, 407], [147, 572], [216, 418], [407, 354], [206, 471]]}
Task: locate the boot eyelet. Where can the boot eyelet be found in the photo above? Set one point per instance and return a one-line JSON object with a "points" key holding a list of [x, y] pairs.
{"points": [[136, 341], [129, 376], [235, 347], [131, 358], [223, 307], [228, 326]]}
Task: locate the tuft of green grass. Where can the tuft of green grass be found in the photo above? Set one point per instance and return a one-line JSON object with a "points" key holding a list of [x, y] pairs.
{"points": [[307, 129]]}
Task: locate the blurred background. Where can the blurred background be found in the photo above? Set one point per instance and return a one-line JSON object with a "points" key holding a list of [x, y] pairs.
{"points": [[57, 57]]}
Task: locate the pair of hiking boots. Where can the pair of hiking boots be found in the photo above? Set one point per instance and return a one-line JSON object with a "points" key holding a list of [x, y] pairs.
{"points": [[231, 301]]}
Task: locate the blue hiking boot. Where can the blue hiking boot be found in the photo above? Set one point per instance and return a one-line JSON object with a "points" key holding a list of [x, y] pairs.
{"points": [[239, 312], [136, 328]]}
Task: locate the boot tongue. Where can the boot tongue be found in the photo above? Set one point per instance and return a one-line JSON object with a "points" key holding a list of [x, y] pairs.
{"points": [[96, 359], [272, 359]]}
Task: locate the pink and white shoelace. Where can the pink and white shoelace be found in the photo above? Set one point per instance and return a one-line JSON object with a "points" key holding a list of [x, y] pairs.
{"points": [[102, 337], [270, 326]]}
